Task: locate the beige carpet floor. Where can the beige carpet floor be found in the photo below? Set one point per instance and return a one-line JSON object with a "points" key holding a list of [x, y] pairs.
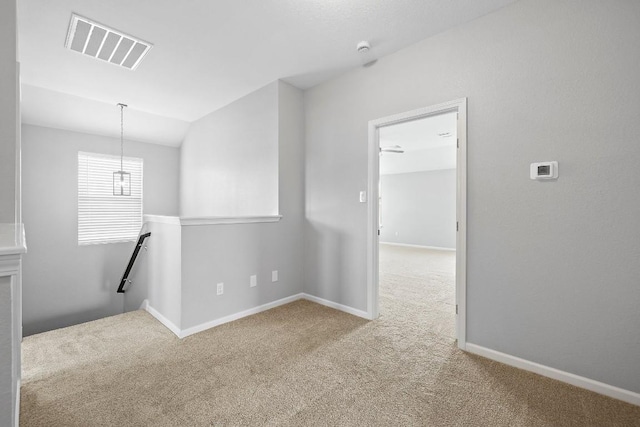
{"points": [[300, 364]]}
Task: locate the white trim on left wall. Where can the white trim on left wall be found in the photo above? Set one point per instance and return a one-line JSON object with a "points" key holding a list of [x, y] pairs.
{"points": [[17, 408], [11, 267]]}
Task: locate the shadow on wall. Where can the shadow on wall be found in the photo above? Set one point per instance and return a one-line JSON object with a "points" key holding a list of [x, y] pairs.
{"points": [[68, 319], [112, 303], [327, 250]]}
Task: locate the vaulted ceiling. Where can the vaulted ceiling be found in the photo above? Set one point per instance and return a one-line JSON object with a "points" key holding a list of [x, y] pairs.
{"points": [[207, 54]]}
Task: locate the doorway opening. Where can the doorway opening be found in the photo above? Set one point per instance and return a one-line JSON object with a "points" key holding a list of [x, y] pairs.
{"points": [[417, 214]]}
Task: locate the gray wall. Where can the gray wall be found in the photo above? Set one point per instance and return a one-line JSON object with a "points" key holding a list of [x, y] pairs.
{"points": [[232, 253], [63, 283], [419, 208], [552, 267], [229, 163], [158, 276], [8, 111]]}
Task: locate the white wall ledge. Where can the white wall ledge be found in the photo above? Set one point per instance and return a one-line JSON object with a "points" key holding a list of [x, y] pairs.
{"points": [[211, 220], [12, 240], [215, 220], [13, 250]]}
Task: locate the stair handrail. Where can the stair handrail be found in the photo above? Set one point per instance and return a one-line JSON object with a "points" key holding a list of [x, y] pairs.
{"points": [[132, 260]]}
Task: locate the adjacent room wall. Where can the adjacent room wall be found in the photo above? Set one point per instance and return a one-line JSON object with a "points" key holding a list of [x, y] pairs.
{"points": [[9, 111], [552, 266], [230, 159], [231, 253], [419, 208], [63, 283]]}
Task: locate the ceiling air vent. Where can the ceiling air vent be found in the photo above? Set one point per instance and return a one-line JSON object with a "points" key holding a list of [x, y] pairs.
{"points": [[101, 42]]}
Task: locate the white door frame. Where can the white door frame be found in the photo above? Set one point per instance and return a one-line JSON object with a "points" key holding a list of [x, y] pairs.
{"points": [[459, 106]]}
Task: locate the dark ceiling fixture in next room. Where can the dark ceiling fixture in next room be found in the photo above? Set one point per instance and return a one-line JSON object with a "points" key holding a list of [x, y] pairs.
{"points": [[392, 149]]}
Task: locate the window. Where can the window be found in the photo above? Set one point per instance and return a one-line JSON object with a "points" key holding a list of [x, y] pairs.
{"points": [[103, 217]]}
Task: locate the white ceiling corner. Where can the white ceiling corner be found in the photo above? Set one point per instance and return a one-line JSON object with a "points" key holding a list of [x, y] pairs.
{"points": [[207, 54]]}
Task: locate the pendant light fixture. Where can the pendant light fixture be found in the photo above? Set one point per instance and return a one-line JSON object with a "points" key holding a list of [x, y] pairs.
{"points": [[121, 179]]}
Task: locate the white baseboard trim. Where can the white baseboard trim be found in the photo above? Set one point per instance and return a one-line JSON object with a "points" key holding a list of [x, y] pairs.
{"points": [[437, 248], [556, 374], [166, 322], [337, 306], [16, 419], [230, 318], [255, 310]]}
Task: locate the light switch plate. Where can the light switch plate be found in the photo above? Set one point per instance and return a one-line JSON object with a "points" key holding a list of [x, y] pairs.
{"points": [[253, 281], [274, 276]]}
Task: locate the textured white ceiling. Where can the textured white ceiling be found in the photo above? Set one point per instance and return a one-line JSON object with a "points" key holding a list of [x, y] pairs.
{"points": [[207, 54]]}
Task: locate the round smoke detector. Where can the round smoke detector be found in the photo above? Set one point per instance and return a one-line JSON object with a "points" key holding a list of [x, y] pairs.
{"points": [[363, 46]]}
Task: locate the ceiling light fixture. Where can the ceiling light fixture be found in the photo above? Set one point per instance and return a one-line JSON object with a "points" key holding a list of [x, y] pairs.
{"points": [[101, 42], [121, 179]]}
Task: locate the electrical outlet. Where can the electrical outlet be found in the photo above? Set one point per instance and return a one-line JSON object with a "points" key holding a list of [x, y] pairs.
{"points": [[220, 288], [253, 281], [274, 276]]}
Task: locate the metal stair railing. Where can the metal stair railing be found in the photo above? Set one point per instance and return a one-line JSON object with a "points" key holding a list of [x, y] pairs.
{"points": [[132, 260]]}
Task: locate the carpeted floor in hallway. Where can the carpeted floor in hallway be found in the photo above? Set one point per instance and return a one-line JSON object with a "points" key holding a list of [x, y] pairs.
{"points": [[300, 364]]}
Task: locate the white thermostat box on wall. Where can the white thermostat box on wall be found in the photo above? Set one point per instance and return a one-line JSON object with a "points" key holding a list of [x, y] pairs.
{"points": [[544, 170]]}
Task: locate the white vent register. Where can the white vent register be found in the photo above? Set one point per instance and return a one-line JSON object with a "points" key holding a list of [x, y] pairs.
{"points": [[101, 42]]}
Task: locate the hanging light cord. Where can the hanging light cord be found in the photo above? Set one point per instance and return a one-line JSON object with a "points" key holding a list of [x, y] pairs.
{"points": [[121, 137]]}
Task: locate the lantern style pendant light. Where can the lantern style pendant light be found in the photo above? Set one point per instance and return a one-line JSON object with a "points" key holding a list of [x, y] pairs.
{"points": [[121, 179]]}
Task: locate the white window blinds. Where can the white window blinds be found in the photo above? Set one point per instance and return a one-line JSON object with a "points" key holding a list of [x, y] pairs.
{"points": [[103, 217]]}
